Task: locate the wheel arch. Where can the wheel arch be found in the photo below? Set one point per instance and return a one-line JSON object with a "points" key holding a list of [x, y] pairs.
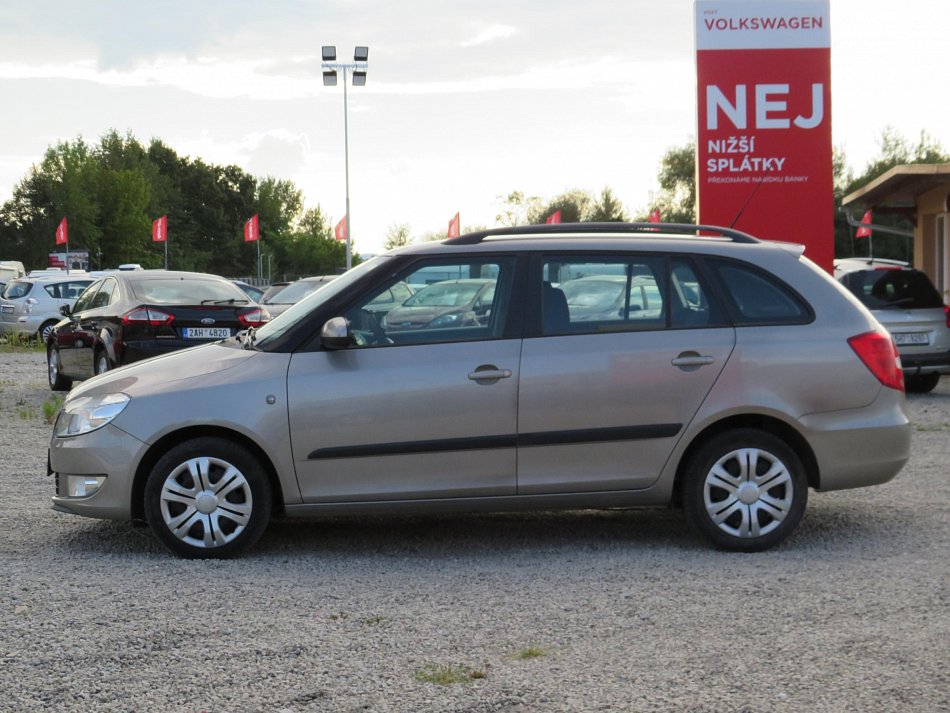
{"points": [[760, 422], [170, 440]]}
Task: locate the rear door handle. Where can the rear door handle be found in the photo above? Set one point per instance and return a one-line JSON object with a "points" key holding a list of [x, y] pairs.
{"points": [[489, 374]]}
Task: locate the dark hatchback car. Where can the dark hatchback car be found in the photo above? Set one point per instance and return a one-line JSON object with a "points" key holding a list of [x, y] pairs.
{"points": [[125, 317]]}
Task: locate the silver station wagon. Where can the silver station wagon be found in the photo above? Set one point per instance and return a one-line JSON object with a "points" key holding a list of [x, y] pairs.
{"points": [[726, 375]]}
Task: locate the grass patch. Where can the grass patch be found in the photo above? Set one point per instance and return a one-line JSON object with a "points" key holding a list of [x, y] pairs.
{"points": [[448, 674], [927, 429], [51, 407], [26, 413], [15, 342], [531, 652]]}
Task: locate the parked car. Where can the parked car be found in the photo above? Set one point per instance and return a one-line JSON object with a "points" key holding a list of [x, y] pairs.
{"points": [[127, 316], [759, 379], [273, 290], [610, 297], [906, 302], [278, 302], [253, 292], [30, 306], [449, 303]]}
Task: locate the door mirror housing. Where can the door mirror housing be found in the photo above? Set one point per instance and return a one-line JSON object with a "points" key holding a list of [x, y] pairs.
{"points": [[65, 310], [335, 334]]}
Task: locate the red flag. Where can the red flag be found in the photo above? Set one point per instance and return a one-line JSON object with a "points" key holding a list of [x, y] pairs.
{"points": [[339, 232], [864, 232], [454, 231], [251, 230], [160, 229], [555, 217], [654, 216], [62, 233]]}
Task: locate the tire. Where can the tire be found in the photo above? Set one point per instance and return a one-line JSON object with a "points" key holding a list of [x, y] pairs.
{"points": [[208, 498], [102, 364], [921, 383], [45, 330], [57, 382], [723, 494]]}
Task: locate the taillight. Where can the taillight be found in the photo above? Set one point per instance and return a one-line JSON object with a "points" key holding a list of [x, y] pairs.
{"points": [[254, 317], [879, 354], [147, 315], [28, 305]]}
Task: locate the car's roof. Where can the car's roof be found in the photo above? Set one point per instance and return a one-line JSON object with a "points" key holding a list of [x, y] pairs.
{"points": [[142, 275], [592, 237]]}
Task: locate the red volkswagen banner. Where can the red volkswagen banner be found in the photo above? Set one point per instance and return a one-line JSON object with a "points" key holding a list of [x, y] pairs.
{"points": [[62, 232], [160, 229], [654, 216], [339, 232], [251, 229], [764, 153], [555, 217], [454, 226]]}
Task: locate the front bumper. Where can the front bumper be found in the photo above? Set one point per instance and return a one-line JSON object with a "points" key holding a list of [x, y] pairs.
{"points": [[109, 452]]}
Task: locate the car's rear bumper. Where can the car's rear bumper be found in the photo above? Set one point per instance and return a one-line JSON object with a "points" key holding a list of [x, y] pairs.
{"points": [[860, 447], [928, 363]]}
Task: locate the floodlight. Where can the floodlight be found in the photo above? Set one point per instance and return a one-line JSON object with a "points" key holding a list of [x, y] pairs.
{"points": [[359, 78], [361, 54], [329, 53], [329, 78]]}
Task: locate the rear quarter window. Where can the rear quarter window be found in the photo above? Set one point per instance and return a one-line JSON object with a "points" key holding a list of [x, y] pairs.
{"points": [[757, 297]]}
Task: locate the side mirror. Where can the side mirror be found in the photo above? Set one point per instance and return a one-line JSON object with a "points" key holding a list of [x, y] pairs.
{"points": [[65, 310], [335, 334]]}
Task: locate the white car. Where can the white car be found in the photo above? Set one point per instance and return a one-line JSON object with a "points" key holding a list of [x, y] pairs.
{"points": [[906, 302], [29, 306]]}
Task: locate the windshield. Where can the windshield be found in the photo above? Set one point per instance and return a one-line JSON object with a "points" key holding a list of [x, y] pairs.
{"points": [[895, 289], [284, 322], [17, 289], [296, 292], [187, 291]]}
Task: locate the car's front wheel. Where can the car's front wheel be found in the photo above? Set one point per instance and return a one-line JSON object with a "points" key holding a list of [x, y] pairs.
{"points": [[208, 497], [745, 490], [57, 382], [102, 362], [45, 330]]}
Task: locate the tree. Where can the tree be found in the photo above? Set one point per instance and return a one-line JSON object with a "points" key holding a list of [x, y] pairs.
{"points": [[574, 206], [515, 208], [676, 200], [397, 236], [607, 210]]}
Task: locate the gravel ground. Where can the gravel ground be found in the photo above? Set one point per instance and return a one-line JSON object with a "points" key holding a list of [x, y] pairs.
{"points": [[588, 611]]}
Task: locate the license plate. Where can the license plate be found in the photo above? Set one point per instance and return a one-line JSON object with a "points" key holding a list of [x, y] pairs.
{"points": [[908, 338], [205, 332]]}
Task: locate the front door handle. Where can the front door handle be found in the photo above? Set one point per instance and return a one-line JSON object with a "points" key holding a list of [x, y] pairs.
{"points": [[690, 361], [488, 374]]}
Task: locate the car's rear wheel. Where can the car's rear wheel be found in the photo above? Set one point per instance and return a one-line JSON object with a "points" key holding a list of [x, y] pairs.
{"points": [[921, 383], [208, 497], [745, 490], [57, 382], [102, 362]]}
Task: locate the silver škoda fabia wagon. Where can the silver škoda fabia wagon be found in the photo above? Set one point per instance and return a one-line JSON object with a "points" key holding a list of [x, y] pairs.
{"points": [[730, 377]]}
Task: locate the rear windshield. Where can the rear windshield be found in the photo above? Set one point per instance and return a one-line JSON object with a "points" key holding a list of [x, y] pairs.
{"points": [[187, 291], [16, 289], [895, 289]]}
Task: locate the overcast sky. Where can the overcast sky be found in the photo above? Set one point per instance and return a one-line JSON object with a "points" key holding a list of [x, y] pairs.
{"points": [[465, 100]]}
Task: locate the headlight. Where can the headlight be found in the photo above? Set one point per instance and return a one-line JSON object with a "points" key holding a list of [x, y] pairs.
{"points": [[87, 413], [446, 320]]}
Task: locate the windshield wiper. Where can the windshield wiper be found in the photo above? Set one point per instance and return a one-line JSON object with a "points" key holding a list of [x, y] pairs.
{"points": [[229, 301]]}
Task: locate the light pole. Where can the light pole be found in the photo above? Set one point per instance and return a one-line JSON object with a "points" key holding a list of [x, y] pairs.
{"points": [[357, 71]]}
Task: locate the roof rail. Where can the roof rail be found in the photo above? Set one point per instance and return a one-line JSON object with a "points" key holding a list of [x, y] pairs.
{"points": [[644, 229]]}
